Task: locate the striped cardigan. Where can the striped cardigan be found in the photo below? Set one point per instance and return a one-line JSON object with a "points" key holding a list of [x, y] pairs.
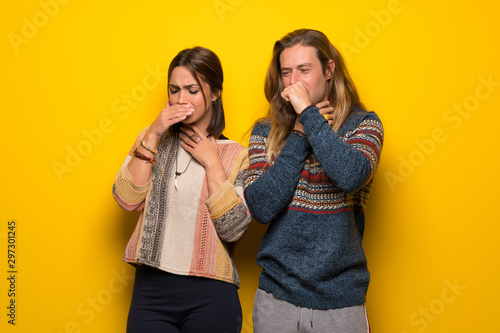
{"points": [[313, 198], [219, 222]]}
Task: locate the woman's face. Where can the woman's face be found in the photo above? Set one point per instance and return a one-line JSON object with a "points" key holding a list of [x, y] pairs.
{"points": [[183, 89]]}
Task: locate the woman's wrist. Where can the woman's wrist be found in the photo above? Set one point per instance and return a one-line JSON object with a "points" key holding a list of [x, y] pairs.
{"points": [[150, 139], [150, 149], [216, 176], [213, 165]]}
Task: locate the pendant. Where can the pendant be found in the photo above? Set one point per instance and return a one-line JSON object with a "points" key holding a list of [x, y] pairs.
{"points": [[175, 183]]}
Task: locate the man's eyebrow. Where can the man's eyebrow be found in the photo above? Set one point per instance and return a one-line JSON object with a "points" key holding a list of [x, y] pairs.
{"points": [[306, 64]]}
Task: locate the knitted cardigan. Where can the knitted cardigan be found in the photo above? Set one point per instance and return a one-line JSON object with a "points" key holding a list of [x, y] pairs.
{"points": [[221, 219], [313, 198]]}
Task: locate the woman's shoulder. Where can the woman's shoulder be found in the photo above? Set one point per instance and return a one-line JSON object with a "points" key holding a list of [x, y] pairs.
{"points": [[227, 143], [232, 153]]}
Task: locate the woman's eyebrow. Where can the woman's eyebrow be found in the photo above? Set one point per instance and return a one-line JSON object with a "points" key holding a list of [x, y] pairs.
{"points": [[193, 85]]}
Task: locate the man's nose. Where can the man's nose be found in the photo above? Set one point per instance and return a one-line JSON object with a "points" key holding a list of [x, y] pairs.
{"points": [[293, 77]]}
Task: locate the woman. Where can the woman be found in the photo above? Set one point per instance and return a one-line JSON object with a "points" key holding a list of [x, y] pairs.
{"points": [[309, 179], [187, 181]]}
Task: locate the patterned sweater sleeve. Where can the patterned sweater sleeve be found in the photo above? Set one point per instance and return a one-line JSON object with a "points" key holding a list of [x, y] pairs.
{"points": [[270, 189], [350, 161], [127, 194], [227, 208]]}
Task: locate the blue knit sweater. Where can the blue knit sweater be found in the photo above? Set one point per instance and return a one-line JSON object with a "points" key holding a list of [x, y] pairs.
{"points": [[313, 198]]}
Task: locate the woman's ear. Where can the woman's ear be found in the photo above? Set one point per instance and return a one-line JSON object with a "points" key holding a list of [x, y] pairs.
{"points": [[216, 96]]}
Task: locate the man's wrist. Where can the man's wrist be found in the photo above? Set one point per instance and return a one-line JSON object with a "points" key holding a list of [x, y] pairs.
{"points": [[299, 133], [304, 109]]}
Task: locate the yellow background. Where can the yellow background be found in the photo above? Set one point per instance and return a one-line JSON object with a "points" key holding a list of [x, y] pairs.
{"points": [[68, 68]]}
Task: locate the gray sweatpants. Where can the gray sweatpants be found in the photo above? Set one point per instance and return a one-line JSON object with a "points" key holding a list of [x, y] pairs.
{"points": [[272, 315]]}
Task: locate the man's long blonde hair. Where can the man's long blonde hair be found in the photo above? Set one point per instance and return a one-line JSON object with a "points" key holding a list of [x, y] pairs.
{"points": [[342, 92]]}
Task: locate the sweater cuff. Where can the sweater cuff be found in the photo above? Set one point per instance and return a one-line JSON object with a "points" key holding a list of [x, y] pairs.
{"points": [[310, 112], [298, 144], [128, 177], [223, 200]]}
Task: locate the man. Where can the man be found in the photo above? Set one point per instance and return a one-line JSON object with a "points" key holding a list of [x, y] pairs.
{"points": [[309, 179]]}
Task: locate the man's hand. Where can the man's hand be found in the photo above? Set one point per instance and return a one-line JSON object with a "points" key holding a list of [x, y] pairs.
{"points": [[326, 110], [298, 96]]}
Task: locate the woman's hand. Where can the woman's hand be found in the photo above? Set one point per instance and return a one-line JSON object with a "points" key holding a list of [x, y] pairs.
{"points": [[203, 149], [206, 151], [169, 116], [141, 170]]}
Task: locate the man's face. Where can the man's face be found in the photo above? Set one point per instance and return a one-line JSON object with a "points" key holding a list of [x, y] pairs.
{"points": [[300, 63]]}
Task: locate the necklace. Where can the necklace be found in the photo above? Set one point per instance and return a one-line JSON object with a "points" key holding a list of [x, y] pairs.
{"points": [[177, 173]]}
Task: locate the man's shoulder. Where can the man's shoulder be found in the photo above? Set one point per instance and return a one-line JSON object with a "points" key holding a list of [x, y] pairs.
{"points": [[262, 128], [358, 116]]}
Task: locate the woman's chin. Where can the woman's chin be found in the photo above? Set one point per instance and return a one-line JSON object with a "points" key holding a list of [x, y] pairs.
{"points": [[188, 120]]}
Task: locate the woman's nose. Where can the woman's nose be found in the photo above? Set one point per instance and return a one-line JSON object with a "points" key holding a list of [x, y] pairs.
{"points": [[182, 97]]}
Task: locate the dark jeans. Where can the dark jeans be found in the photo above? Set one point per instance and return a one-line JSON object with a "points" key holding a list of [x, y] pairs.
{"points": [[164, 302]]}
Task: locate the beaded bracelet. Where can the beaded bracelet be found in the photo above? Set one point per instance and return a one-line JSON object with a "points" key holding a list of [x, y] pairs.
{"points": [[148, 148]]}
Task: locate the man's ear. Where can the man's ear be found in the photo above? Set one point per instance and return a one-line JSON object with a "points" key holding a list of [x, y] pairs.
{"points": [[330, 68]]}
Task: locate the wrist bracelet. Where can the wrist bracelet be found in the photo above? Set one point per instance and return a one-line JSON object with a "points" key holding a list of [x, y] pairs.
{"points": [[148, 148], [143, 157], [151, 160], [299, 133]]}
